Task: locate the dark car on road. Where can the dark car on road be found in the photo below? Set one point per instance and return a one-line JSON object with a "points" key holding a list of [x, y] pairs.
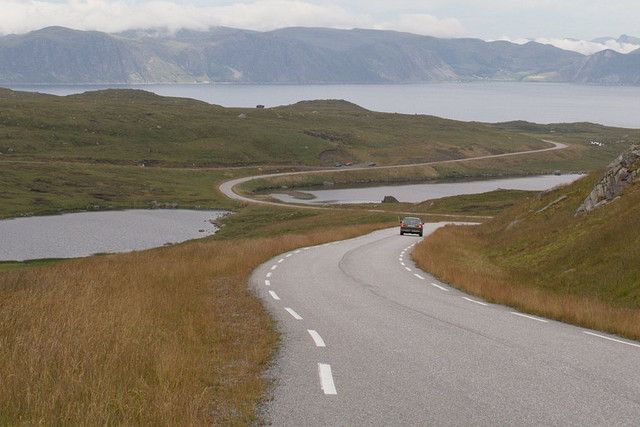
{"points": [[412, 225]]}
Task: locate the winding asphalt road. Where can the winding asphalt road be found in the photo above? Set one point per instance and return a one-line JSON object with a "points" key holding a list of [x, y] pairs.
{"points": [[227, 188], [368, 339]]}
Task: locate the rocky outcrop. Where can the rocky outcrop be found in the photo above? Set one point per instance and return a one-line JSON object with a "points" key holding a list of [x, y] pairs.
{"points": [[621, 172], [389, 199]]}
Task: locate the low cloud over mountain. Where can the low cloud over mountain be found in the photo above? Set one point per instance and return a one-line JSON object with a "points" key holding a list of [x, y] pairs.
{"points": [[623, 44]]}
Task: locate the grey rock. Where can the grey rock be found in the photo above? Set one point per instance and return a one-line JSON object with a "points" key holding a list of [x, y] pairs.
{"points": [[621, 172], [390, 199]]}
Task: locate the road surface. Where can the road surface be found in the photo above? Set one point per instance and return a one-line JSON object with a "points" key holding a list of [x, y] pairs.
{"points": [[368, 339]]}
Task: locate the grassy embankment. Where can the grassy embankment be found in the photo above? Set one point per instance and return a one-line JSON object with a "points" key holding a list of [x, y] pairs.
{"points": [[37, 189], [582, 270], [165, 336], [480, 205], [577, 157]]}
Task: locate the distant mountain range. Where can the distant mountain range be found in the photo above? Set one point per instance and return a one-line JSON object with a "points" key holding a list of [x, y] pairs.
{"points": [[57, 55]]}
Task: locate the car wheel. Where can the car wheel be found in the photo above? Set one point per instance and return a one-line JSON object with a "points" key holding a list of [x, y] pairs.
{"points": [[402, 233], [420, 234]]}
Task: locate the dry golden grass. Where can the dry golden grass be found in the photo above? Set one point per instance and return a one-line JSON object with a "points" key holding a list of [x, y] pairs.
{"points": [[457, 256], [163, 337]]}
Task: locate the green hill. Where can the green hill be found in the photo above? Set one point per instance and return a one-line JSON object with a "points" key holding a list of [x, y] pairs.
{"points": [[136, 127], [541, 257], [132, 127]]}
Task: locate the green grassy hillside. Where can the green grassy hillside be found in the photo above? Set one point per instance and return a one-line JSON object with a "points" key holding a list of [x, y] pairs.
{"points": [[136, 127], [540, 257]]}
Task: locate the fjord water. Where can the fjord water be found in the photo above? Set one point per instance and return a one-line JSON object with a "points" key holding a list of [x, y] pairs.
{"points": [[87, 233], [477, 101], [414, 193]]}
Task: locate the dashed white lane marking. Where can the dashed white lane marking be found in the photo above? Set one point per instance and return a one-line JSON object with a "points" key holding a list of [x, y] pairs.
{"points": [[407, 268], [403, 264], [474, 301], [316, 338], [267, 282], [442, 288], [273, 267], [293, 313], [274, 296], [269, 274], [280, 260], [288, 255], [326, 379], [515, 313], [612, 339], [418, 276]]}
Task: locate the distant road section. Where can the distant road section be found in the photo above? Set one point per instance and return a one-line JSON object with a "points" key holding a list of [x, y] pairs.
{"points": [[227, 188]]}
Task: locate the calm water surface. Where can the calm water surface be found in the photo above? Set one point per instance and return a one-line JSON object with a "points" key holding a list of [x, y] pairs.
{"points": [[478, 101], [420, 192], [87, 233]]}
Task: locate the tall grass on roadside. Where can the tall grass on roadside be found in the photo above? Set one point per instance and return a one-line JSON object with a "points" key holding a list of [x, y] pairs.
{"points": [[444, 254], [166, 336], [540, 258]]}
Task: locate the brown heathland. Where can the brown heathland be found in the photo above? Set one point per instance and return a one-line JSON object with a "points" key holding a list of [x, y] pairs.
{"points": [[583, 270], [166, 336]]}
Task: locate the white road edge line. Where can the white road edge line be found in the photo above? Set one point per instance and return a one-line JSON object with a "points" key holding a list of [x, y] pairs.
{"points": [[316, 338], [267, 282], [280, 260], [326, 379], [612, 339], [297, 251], [442, 288], [474, 301], [515, 313], [274, 296], [288, 255], [402, 263], [407, 268], [273, 267], [269, 274], [418, 276], [293, 313]]}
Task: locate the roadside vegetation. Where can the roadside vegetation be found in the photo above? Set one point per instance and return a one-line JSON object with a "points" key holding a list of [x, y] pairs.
{"points": [[581, 270], [166, 336]]}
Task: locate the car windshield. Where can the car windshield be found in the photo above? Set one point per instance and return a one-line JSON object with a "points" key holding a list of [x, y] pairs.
{"points": [[411, 221]]}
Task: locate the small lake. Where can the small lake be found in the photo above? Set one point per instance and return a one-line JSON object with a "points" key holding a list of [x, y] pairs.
{"points": [[476, 101], [414, 193], [82, 234]]}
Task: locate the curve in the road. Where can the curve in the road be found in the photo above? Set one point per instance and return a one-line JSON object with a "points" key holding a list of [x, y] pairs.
{"points": [[227, 187], [369, 339]]}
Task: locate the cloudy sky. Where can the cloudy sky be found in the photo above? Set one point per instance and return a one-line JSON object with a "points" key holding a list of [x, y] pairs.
{"points": [[552, 21]]}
